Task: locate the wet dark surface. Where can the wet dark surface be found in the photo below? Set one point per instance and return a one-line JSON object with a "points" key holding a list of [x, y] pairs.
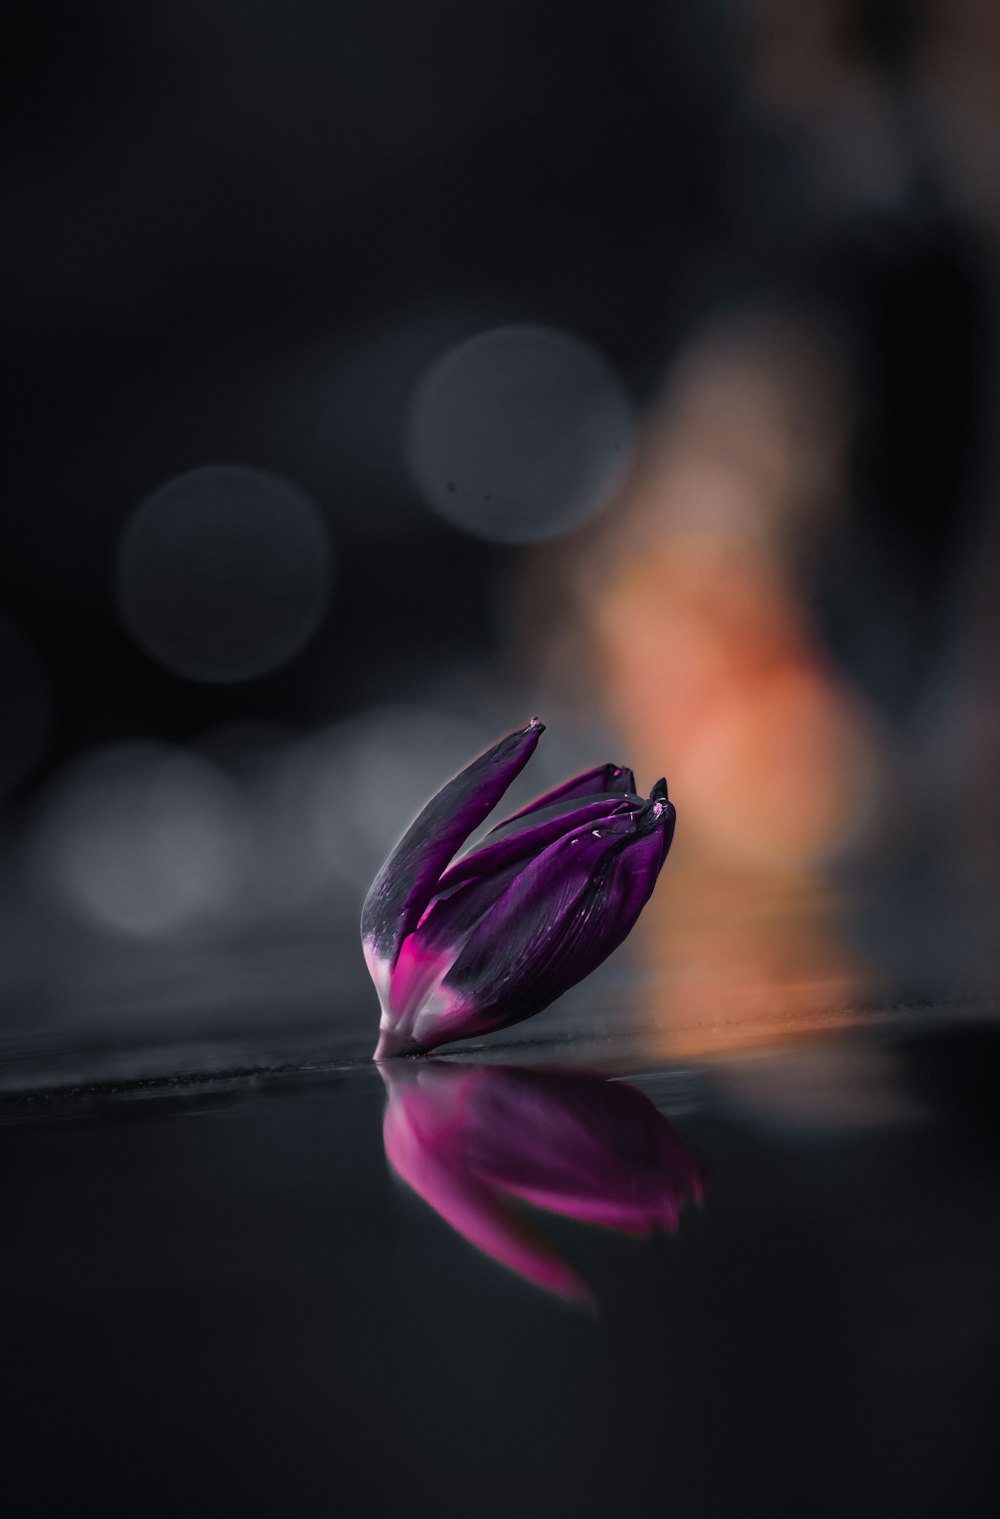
{"points": [[218, 1297]]}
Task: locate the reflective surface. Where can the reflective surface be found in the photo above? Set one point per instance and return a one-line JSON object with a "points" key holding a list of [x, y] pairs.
{"points": [[474, 1140], [218, 1294]]}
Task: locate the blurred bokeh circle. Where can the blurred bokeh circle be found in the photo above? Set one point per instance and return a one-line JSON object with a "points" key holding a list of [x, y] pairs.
{"points": [[144, 840], [519, 434], [338, 800], [224, 573]]}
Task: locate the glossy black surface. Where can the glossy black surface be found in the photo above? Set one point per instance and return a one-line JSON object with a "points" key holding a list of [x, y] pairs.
{"points": [[218, 1300]]}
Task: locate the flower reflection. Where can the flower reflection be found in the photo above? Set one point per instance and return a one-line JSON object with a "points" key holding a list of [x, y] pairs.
{"points": [[470, 1140]]}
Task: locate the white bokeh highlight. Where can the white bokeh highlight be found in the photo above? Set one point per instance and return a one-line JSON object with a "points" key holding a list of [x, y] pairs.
{"points": [[145, 841]]}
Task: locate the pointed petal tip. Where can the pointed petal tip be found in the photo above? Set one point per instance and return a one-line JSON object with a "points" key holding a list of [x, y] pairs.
{"points": [[402, 890]]}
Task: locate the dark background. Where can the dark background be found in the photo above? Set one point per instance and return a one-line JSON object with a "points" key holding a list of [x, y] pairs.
{"points": [[213, 210]]}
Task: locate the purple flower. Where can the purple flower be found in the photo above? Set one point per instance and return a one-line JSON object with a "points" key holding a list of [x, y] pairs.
{"points": [[473, 1141], [462, 948]]}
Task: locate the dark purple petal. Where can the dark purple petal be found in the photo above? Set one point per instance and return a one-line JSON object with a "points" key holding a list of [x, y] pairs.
{"points": [[559, 918], [409, 877], [529, 840], [422, 1015], [452, 916], [602, 779], [470, 887]]}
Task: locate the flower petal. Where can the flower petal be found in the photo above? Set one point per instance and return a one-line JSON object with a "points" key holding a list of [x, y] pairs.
{"points": [[561, 915], [426, 956], [602, 779], [525, 842], [467, 892], [407, 880]]}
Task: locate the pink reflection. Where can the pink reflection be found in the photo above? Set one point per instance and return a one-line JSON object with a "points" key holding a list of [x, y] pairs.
{"points": [[470, 1140]]}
